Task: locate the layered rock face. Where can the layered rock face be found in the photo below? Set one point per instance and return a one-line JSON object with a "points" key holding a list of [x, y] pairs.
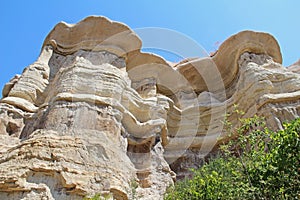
{"points": [[94, 114]]}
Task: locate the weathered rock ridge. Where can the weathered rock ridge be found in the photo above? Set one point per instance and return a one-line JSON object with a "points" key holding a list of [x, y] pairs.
{"points": [[295, 67], [94, 114]]}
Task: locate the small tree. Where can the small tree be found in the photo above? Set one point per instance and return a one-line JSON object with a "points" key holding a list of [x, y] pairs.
{"points": [[258, 164]]}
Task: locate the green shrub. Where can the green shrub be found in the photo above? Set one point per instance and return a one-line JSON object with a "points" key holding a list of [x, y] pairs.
{"points": [[258, 164]]}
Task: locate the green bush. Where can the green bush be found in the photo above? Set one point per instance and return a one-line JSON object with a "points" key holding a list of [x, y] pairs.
{"points": [[258, 164]]}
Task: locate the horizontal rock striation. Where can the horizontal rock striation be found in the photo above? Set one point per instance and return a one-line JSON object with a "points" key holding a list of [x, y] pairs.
{"points": [[94, 114]]}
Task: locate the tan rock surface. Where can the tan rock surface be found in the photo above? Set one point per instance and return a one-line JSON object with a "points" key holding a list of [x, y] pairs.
{"points": [[246, 41], [295, 67], [93, 34], [94, 114]]}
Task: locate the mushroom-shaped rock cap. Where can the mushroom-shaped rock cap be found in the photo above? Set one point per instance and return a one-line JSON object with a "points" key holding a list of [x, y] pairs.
{"points": [[94, 33], [201, 73], [231, 49], [217, 72], [138, 59], [143, 66]]}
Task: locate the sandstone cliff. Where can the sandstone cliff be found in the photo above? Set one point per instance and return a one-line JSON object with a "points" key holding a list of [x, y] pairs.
{"points": [[94, 114]]}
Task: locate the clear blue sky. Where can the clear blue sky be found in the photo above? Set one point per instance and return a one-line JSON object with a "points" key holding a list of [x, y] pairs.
{"points": [[25, 23]]}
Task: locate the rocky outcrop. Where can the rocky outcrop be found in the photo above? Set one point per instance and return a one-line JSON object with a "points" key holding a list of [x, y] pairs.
{"points": [[94, 114], [295, 67]]}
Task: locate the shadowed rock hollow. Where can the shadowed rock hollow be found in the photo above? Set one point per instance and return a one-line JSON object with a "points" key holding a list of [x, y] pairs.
{"points": [[94, 114]]}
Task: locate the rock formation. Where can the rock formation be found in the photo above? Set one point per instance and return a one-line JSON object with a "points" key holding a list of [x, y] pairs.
{"points": [[94, 114], [295, 67]]}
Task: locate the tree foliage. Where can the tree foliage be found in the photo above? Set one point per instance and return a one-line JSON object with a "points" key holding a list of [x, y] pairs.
{"points": [[258, 164]]}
